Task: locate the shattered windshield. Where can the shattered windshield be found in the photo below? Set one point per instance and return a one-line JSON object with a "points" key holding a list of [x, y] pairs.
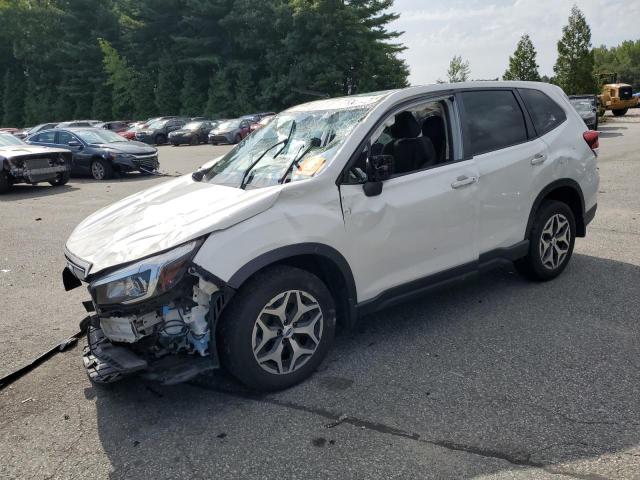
{"points": [[296, 144]]}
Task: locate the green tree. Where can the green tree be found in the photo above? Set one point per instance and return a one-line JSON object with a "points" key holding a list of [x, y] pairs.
{"points": [[575, 64], [622, 60], [459, 70], [119, 78], [13, 98], [191, 96], [220, 100], [522, 64], [168, 87]]}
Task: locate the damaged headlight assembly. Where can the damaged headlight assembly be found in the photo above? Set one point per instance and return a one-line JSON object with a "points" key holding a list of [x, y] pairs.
{"points": [[145, 279]]}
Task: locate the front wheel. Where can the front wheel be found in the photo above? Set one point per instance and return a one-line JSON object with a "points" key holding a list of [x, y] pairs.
{"points": [[550, 243], [620, 112], [61, 179], [278, 329], [101, 169]]}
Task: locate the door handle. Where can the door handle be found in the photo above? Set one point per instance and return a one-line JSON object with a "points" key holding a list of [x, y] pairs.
{"points": [[538, 158], [463, 181]]}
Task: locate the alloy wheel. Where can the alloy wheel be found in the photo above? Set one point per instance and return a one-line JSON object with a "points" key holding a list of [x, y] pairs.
{"points": [[555, 241], [97, 170], [287, 332]]}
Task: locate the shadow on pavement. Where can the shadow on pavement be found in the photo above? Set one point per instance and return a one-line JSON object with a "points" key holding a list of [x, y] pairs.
{"points": [[23, 191], [538, 375]]}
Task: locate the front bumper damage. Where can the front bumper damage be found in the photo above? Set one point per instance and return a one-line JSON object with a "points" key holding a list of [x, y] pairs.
{"points": [[169, 339]]}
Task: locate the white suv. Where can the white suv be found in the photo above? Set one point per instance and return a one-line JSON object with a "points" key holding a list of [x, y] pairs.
{"points": [[335, 209]]}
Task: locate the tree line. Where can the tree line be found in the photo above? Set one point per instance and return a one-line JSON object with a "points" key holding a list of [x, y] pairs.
{"points": [[579, 68], [129, 59]]}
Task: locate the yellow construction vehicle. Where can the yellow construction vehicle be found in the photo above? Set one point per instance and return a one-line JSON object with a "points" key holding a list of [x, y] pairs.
{"points": [[615, 96]]}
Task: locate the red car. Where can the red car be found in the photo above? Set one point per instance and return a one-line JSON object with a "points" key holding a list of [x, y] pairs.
{"points": [[130, 134], [261, 123]]}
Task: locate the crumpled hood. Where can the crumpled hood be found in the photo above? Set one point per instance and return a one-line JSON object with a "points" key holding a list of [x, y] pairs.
{"points": [[162, 217]]}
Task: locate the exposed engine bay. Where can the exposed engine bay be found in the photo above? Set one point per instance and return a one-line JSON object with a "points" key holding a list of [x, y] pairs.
{"points": [[168, 338]]}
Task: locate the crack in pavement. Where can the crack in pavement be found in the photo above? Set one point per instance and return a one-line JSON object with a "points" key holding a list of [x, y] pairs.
{"points": [[336, 420]]}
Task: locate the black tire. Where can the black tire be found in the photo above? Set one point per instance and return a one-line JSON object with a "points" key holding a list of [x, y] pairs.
{"points": [[235, 335], [532, 266], [5, 183], [61, 179], [620, 112], [175, 144], [103, 173], [237, 139], [160, 139]]}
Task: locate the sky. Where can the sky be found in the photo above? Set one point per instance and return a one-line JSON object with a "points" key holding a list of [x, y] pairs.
{"points": [[486, 33]]}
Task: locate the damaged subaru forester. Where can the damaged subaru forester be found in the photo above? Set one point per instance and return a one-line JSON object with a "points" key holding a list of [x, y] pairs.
{"points": [[336, 209]]}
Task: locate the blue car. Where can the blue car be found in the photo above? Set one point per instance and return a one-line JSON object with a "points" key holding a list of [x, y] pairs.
{"points": [[98, 152]]}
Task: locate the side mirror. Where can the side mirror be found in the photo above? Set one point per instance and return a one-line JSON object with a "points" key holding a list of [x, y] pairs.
{"points": [[74, 144], [379, 169]]}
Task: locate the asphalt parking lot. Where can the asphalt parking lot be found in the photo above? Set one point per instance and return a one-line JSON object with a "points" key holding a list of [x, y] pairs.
{"points": [[493, 378]]}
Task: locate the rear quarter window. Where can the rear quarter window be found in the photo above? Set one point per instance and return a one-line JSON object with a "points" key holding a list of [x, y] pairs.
{"points": [[493, 120], [545, 113]]}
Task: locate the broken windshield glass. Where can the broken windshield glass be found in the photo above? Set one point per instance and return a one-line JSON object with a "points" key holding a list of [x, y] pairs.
{"points": [[329, 126]]}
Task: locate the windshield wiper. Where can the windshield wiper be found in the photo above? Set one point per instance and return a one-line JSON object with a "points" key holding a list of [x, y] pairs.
{"points": [[315, 142], [244, 182]]}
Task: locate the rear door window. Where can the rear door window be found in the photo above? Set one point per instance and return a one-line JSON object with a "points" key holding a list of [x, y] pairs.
{"points": [[492, 120], [545, 113]]}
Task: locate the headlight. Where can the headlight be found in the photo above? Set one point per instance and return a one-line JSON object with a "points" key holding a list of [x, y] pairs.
{"points": [[124, 156], [146, 278]]}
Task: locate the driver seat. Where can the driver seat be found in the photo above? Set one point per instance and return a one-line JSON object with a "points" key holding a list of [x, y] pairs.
{"points": [[410, 151]]}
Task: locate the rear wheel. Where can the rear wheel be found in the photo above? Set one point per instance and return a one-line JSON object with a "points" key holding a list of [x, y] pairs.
{"points": [[61, 179], [278, 328], [101, 169], [550, 243], [620, 112]]}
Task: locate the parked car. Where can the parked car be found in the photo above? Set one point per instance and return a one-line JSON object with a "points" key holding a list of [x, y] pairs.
{"points": [[192, 133], [587, 107], [22, 163], [78, 123], [30, 131], [157, 131], [637, 97], [335, 209], [9, 130], [130, 134], [262, 123], [100, 153], [116, 126], [230, 131]]}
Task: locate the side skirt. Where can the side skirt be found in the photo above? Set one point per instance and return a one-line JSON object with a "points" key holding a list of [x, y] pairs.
{"points": [[422, 286]]}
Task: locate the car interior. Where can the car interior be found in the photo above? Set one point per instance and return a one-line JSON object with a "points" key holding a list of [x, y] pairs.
{"points": [[416, 139]]}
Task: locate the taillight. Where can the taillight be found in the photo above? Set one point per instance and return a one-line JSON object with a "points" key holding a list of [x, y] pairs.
{"points": [[592, 137]]}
